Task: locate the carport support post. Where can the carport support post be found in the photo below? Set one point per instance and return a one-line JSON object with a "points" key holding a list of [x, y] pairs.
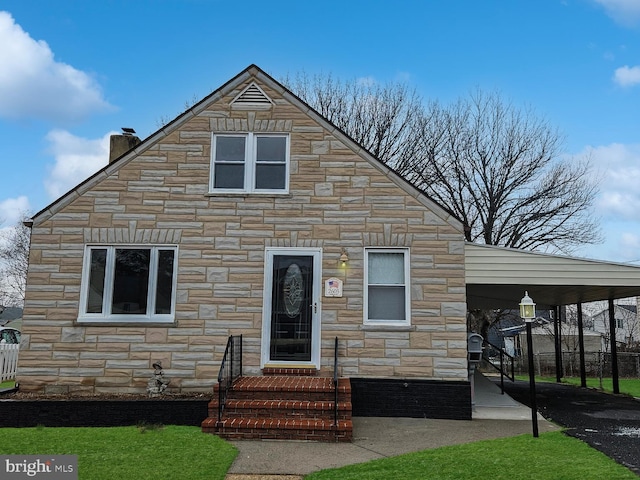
{"points": [[614, 348], [562, 315], [583, 373], [557, 342]]}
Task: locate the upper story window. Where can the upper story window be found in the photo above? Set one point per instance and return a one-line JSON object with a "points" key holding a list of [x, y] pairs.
{"points": [[387, 292], [128, 284], [250, 162]]}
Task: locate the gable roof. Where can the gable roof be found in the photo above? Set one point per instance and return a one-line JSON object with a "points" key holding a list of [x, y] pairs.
{"points": [[631, 309], [566, 330], [8, 314], [445, 215]]}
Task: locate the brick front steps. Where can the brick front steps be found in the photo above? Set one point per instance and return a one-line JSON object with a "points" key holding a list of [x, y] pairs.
{"points": [[283, 408]]}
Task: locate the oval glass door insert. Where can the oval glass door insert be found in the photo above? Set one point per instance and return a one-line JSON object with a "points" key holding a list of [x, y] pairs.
{"points": [[293, 290]]}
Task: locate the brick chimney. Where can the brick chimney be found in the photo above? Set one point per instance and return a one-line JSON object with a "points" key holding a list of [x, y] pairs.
{"points": [[121, 144]]}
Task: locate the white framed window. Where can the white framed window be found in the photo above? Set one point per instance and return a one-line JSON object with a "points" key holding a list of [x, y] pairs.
{"points": [[128, 284], [387, 286], [250, 162]]}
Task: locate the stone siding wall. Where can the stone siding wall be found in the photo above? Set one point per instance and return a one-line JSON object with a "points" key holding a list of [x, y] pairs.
{"points": [[337, 200]]}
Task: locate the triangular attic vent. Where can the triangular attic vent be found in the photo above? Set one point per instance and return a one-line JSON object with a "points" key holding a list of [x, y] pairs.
{"points": [[252, 96]]}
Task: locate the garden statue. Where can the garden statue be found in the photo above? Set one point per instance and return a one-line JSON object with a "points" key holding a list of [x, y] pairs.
{"points": [[158, 383]]}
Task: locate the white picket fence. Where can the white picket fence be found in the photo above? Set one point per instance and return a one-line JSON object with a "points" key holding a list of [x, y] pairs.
{"points": [[8, 361]]}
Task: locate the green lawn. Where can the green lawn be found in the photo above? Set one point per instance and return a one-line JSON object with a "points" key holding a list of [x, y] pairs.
{"points": [[177, 452], [7, 384], [141, 453], [629, 386], [553, 456]]}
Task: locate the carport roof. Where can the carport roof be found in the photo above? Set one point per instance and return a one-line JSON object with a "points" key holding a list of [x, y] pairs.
{"points": [[497, 277]]}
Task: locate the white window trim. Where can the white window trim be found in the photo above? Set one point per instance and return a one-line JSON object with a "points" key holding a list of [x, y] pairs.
{"points": [[407, 287], [270, 253], [105, 316], [250, 162]]}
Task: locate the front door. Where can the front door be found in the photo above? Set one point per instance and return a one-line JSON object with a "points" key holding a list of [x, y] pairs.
{"points": [[291, 327]]}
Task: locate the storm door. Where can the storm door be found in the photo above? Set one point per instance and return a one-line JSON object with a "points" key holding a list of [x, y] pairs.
{"points": [[291, 301]]}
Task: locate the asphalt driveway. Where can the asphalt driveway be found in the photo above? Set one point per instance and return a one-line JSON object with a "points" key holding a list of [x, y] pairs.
{"points": [[607, 422]]}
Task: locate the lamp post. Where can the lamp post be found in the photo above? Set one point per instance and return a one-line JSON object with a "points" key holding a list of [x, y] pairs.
{"points": [[528, 313]]}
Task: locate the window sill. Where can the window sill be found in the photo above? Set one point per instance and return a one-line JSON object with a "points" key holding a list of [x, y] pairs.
{"points": [[132, 321], [385, 327], [249, 194]]}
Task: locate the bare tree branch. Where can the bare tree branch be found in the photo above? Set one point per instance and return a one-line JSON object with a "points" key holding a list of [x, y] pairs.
{"points": [[497, 167], [14, 262], [382, 118], [506, 178]]}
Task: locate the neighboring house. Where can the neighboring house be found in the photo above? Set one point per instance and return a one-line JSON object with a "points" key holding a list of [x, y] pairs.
{"points": [[509, 332], [627, 324], [249, 214], [10, 314], [543, 339], [504, 331]]}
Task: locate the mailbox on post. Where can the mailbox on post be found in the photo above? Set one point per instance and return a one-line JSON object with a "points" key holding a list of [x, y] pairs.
{"points": [[474, 348], [474, 355]]}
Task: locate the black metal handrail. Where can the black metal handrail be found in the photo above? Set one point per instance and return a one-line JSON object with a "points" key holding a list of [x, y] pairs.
{"points": [[230, 370], [509, 372], [335, 383]]}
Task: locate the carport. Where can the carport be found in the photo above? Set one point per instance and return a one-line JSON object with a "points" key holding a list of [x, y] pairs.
{"points": [[497, 277]]}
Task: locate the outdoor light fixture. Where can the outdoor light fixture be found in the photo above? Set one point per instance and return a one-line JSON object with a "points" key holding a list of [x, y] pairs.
{"points": [[528, 313], [527, 308], [344, 258]]}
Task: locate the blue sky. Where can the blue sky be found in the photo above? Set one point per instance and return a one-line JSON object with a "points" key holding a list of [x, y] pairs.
{"points": [[73, 72]]}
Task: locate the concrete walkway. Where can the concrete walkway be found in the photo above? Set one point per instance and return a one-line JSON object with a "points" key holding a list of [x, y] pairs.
{"points": [[491, 404], [495, 416]]}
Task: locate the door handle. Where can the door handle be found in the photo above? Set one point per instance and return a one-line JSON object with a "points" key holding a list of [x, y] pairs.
{"points": [[315, 307]]}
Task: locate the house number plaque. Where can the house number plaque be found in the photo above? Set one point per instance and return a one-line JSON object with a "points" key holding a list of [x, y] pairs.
{"points": [[333, 287]]}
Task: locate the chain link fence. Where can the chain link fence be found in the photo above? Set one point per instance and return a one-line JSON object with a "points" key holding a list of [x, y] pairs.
{"points": [[596, 364]]}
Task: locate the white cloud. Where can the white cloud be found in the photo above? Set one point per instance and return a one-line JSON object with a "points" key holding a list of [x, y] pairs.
{"points": [[625, 12], [76, 159], [618, 204], [366, 81], [621, 204], [12, 210], [620, 171], [34, 85], [627, 76], [630, 240], [624, 241]]}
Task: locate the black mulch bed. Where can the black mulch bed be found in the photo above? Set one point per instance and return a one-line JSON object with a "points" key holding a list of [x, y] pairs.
{"points": [[29, 410], [607, 422]]}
